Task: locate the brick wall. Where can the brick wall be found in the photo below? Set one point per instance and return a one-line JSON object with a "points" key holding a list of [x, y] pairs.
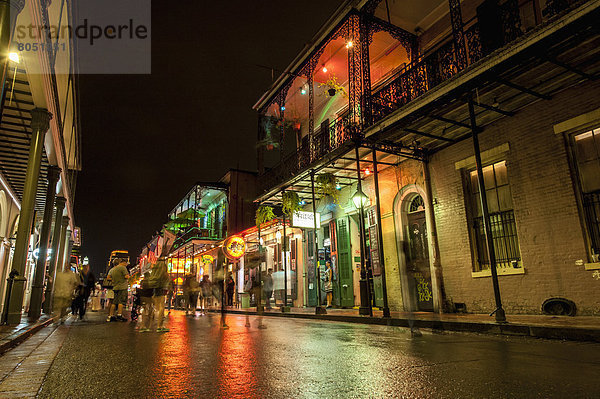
{"points": [[548, 224]]}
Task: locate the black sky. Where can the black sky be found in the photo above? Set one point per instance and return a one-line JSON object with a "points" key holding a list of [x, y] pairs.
{"points": [[148, 138]]}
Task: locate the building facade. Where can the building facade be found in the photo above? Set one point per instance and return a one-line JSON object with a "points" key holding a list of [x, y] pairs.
{"points": [[40, 156], [468, 132]]}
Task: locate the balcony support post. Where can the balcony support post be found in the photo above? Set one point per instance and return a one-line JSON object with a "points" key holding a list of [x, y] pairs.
{"points": [[59, 203], [311, 115], [499, 312], [40, 123], [366, 308], [458, 34], [35, 303], [386, 308], [355, 66], [318, 309], [366, 71]]}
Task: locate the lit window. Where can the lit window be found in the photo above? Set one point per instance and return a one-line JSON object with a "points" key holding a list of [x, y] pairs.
{"points": [[502, 219]]}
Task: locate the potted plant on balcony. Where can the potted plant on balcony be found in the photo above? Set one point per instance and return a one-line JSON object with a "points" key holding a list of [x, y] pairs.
{"points": [[333, 86], [290, 203], [327, 187], [264, 213]]}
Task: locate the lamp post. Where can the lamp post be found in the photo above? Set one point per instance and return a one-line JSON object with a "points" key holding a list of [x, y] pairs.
{"points": [[360, 200]]}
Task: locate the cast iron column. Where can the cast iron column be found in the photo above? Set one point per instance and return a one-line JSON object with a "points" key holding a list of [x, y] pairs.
{"points": [[40, 121], [386, 309], [285, 302], [60, 206], [35, 304], [499, 312], [62, 246], [319, 309], [365, 290]]}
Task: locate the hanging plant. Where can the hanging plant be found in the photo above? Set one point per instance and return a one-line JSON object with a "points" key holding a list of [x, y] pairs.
{"points": [[290, 203], [264, 213], [327, 186], [333, 86]]}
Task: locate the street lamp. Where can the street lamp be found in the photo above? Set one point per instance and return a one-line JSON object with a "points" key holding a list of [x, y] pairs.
{"points": [[360, 199]]}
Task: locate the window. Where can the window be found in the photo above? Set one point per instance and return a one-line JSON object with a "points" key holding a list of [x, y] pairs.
{"points": [[587, 158], [502, 219]]}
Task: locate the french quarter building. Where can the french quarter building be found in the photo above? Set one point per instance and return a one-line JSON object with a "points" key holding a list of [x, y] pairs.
{"points": [[445, 156], [40, 156]]}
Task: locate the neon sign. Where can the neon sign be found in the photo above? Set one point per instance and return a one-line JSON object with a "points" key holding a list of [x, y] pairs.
{"points": [[234, 247]]}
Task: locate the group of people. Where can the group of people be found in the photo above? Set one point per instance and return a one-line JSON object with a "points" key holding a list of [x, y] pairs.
{"points": [[204, 291]]}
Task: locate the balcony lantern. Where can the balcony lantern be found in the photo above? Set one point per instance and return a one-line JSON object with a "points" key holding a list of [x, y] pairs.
{"points": [[360, 199]]}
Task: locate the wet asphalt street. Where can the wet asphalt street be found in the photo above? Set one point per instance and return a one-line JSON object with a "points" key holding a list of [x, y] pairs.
{"points": [[299, 358]]}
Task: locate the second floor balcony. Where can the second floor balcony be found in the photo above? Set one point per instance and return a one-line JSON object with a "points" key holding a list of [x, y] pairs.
{"points": [[370, 64]]}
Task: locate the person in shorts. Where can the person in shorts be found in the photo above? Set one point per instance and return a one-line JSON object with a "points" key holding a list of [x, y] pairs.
{"points": [[120, 277]]}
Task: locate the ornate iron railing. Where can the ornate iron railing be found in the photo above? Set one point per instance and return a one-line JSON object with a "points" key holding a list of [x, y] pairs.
{"points": [[436, 66]]}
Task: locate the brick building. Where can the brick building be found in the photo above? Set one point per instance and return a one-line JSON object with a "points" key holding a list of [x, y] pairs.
{"points": [[432, 110]]}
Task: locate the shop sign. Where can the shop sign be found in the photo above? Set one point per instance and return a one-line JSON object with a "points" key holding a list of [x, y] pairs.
{"points": [[207, 259], [234, 247], [305, 219], [374, 243]]}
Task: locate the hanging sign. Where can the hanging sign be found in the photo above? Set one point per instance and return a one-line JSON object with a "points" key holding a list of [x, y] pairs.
{"points": [[207, 259], [305, 219], [374, 242], [234, 247]]}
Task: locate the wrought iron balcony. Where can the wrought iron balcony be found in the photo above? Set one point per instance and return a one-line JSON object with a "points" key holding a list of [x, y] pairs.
{"points": [[492, 29]]}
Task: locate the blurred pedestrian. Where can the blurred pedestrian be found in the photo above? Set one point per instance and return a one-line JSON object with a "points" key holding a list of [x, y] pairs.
{"points": [[88, 284], [120, 276], [96, 298], [170, 295], [65, 284], [229, 288], [159, 281], [206, 290], [268, 288], [145, 293], [190, 292]]}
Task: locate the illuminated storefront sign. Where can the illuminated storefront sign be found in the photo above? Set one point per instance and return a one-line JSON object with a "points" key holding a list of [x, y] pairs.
{"points": [[207, 259], [305, 219], [234, 247]]}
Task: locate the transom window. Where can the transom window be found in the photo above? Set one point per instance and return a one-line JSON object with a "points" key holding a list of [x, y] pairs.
{"points": [[502, 219]]}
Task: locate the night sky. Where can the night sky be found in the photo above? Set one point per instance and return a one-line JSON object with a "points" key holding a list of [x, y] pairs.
{"points": [[148, 138]]}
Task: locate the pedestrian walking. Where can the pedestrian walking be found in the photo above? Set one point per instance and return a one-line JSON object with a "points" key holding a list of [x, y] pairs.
{"points": [[159, 281], [88, 284], [96, 306], [229, 289], [268, 288], [119, 275], [65, 284], [190, 292], [206, 289], [170, 295], [329, 283], [145, 293]]}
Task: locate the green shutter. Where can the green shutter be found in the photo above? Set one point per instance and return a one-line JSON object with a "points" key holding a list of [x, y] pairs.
{"points": [[345, 262]]}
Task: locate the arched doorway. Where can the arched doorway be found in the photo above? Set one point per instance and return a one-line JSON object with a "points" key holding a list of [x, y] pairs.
{"points": [[417, 255], [414, 252]]}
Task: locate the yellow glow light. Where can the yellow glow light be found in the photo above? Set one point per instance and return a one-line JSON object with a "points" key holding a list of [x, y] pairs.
{"points": [[14, 57]]}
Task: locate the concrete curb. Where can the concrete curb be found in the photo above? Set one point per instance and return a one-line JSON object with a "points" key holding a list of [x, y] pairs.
{"points": [[513, 329], [21, 335]]}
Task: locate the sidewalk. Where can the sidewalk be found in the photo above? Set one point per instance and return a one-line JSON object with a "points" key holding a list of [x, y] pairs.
{"points": [[578, 328], [11, 336]]}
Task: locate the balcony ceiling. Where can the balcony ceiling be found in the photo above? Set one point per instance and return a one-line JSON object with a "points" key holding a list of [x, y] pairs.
{"points": [[409, 14], [15, 137]]}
